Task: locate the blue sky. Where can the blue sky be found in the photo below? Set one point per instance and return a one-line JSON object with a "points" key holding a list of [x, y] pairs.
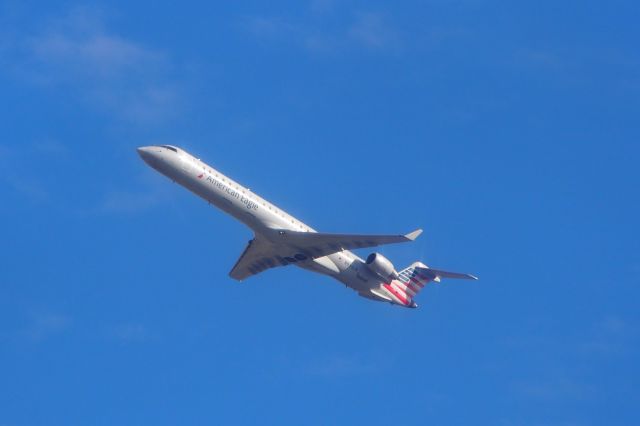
{"points": [[507, 130]]}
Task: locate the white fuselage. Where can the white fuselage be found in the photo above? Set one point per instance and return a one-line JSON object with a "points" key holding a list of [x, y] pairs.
{"points": [[264, 218]]}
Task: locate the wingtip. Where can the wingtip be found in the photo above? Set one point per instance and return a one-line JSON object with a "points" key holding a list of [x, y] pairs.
{"points": [[411, 236]]}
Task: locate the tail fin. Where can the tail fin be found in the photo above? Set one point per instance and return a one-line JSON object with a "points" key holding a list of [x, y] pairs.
{"points": [[415, 277]]}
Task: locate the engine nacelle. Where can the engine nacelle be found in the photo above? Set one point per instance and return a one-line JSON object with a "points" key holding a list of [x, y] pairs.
{"points": [[381, 266]]}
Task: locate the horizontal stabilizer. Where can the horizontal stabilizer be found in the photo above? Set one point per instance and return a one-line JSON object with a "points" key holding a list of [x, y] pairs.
{"points": [[436, 273]]}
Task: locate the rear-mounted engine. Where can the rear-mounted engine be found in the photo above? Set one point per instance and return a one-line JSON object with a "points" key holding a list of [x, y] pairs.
{"points": [[382, 267]]}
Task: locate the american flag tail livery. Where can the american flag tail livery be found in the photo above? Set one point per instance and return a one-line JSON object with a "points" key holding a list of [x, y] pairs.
{"points": [[413, 279]]}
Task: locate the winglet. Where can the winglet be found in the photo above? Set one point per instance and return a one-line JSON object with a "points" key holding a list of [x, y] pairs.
{"points": [[411, 236]]}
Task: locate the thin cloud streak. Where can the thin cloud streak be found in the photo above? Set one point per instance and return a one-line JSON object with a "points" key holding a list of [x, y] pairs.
{"points": [[372, 31], [79, 54], [340, 366], [102, 55], [367, 30], [13, 162], [557, 390], [149, 190], [120, 202], [130, 333], [44, 326]]}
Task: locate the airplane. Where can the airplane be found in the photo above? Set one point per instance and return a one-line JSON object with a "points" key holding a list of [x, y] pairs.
{"points": [[281, 240]]}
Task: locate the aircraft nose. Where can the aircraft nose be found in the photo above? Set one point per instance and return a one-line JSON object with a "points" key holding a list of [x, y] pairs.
{"points": [[148, 154], [143, 150]]}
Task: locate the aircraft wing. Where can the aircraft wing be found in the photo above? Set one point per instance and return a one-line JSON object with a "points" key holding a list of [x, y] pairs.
{"points": [[314, 244], [257, 257], [293, 247]]}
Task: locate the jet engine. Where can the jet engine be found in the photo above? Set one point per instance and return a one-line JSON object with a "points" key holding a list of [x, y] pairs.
{"points": [[381, 266]]}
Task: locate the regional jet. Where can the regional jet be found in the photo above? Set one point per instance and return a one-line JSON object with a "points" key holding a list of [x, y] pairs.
{"points": [[280, 239]]}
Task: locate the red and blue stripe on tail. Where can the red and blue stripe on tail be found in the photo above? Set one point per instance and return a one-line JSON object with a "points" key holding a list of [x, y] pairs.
{"points": [[413, 279]]}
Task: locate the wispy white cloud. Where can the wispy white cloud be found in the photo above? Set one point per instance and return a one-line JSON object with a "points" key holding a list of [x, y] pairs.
{"points": [[45, 325], [101, 56], [612, 335], [128, 202], [539, 58], [635, 265], [544, 422], [557, 389], [341, 365], [144, 191], [372, 31], [320, 7], [130, 333], [366, 30], [552, 378], [15, 160], [31, 188], [82, 56], [27, 185], [4, 152], [265, 28], [614, 325], [51, 148], [79, 58]]}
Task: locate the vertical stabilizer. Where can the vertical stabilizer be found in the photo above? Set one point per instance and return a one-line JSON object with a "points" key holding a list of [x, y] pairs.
{"points": [[414, 278], [411, 280]]}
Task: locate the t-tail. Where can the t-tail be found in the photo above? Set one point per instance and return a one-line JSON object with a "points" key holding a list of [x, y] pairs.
{"points": [[413, 279]]}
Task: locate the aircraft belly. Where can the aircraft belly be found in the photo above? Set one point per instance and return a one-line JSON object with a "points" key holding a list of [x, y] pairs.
{"points": [[354, 277]]}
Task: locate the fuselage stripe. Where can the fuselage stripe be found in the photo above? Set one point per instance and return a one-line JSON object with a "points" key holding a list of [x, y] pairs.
{"points": [[401, 287], [396, 294], [407, 289]]}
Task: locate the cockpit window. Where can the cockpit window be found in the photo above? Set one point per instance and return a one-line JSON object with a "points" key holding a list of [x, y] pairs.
{"points": [[169, 147]]}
